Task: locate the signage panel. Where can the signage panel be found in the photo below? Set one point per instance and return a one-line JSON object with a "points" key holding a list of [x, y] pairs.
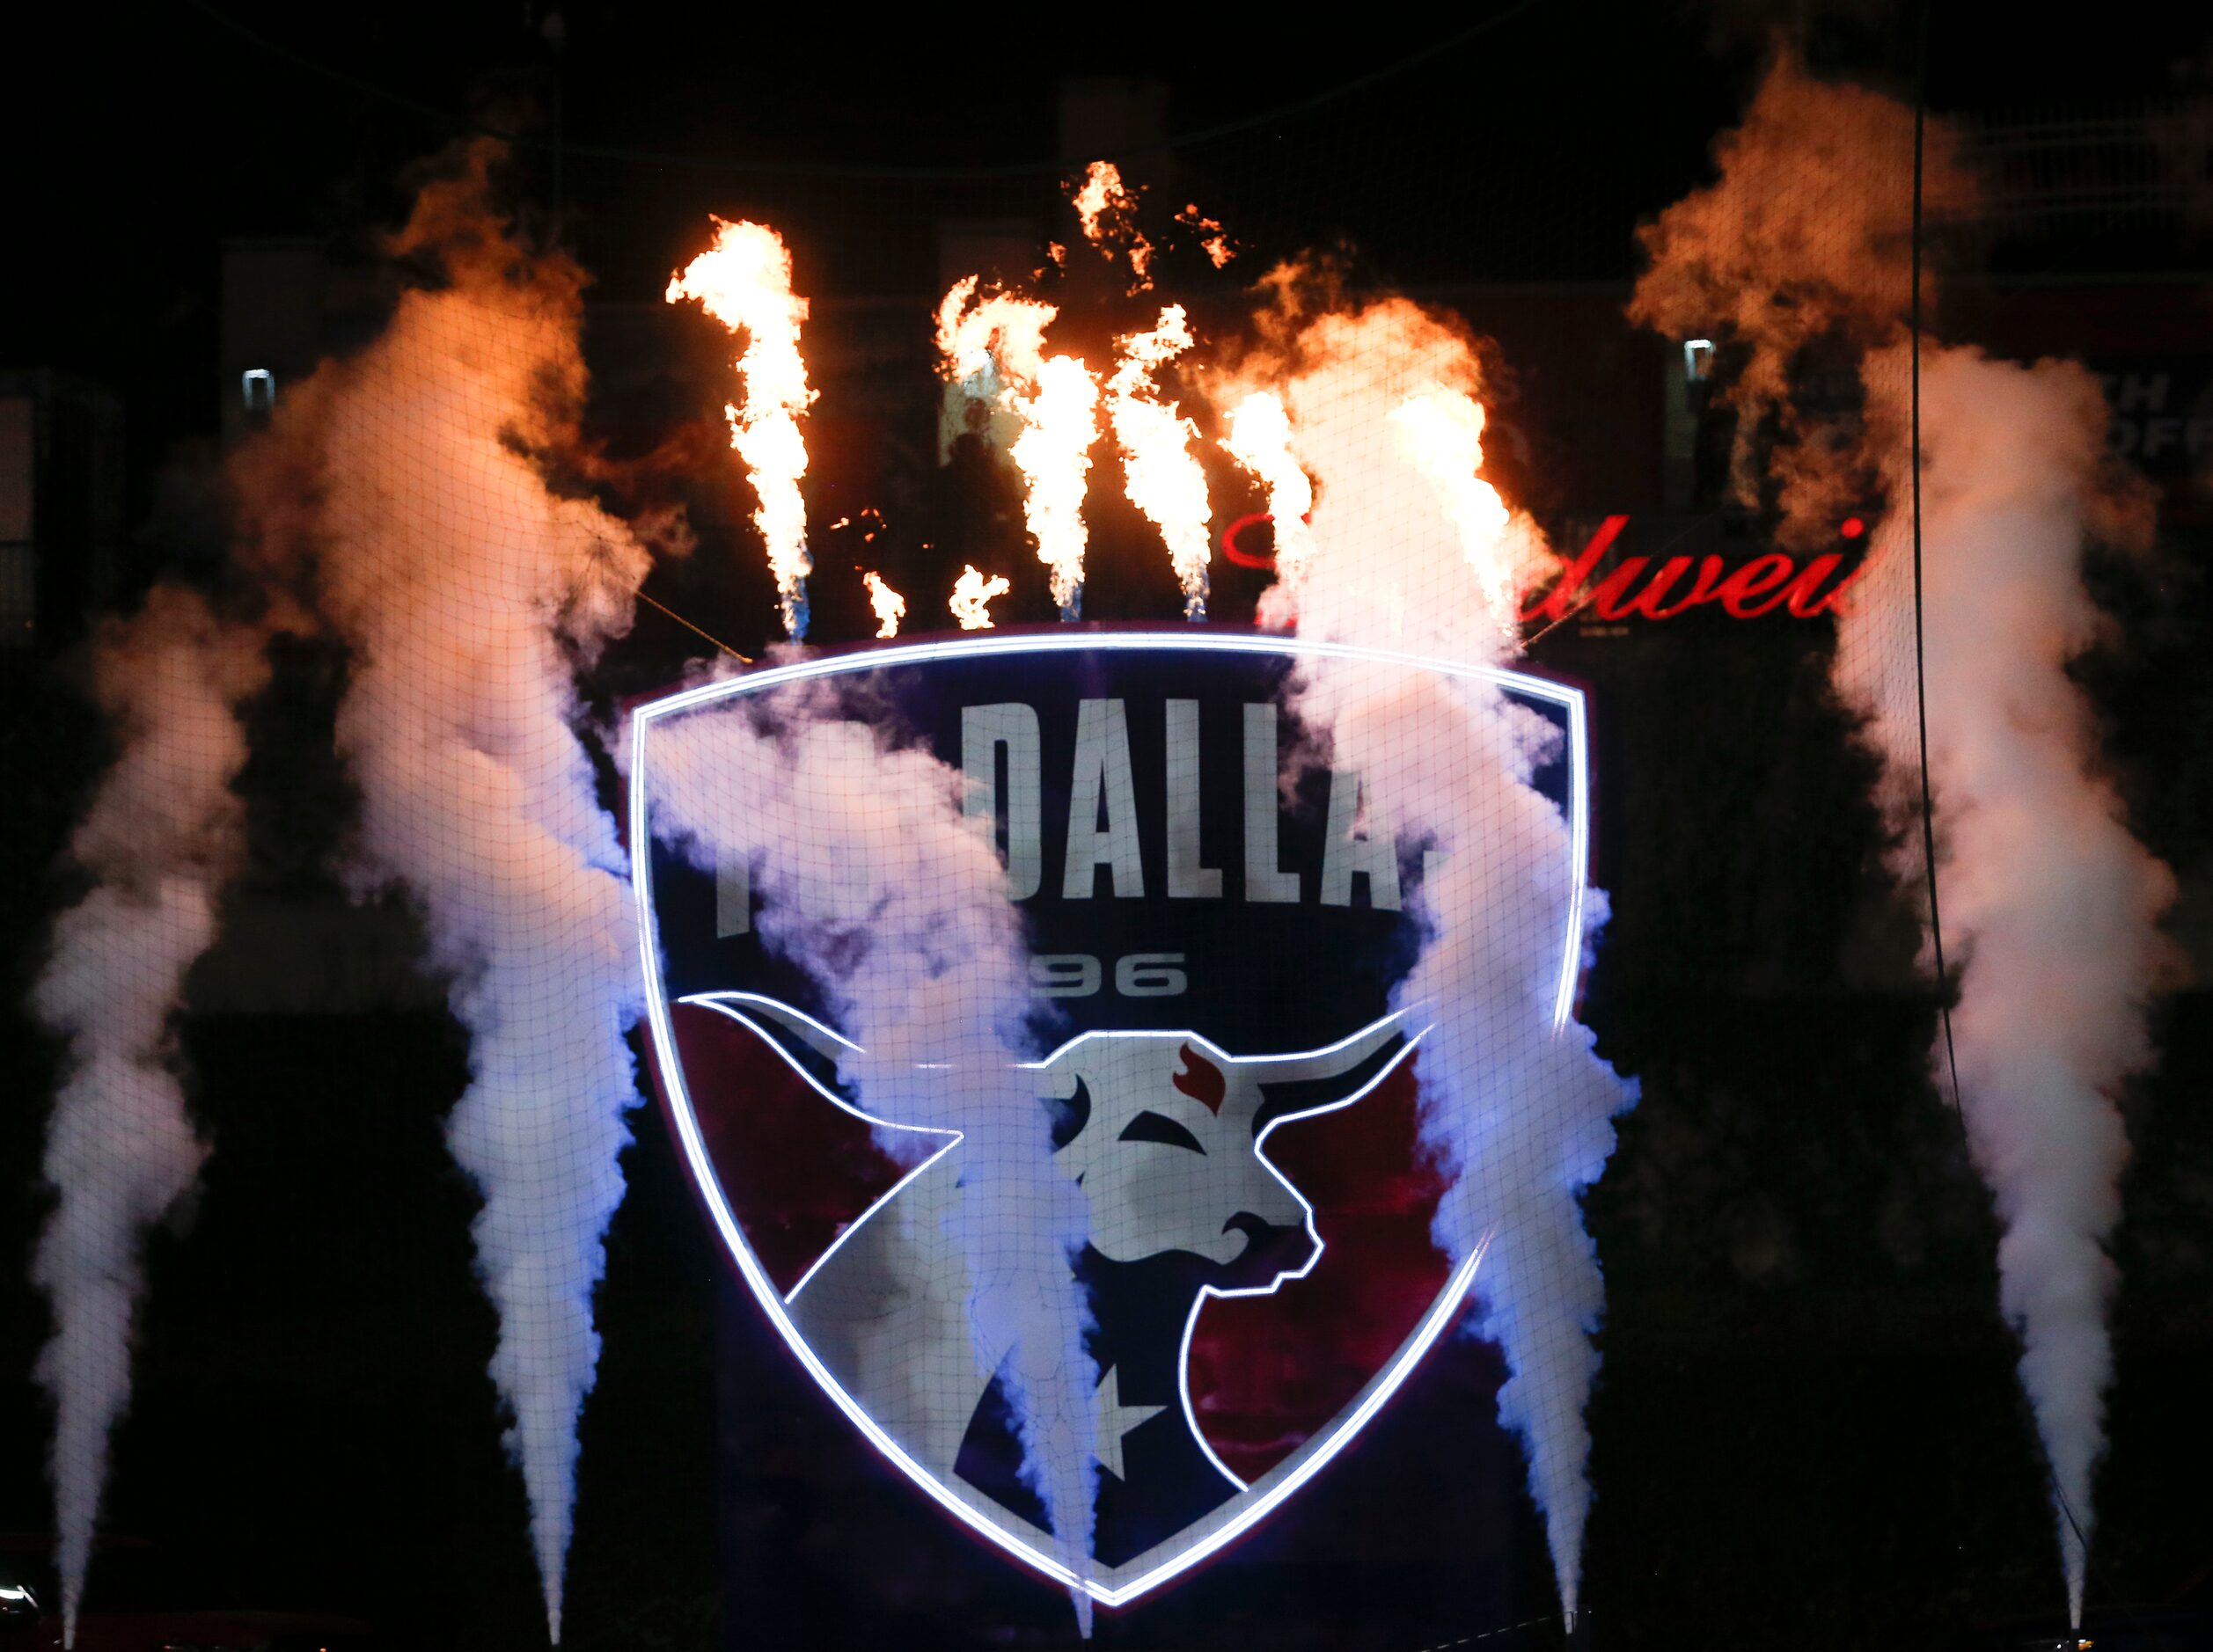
{"points": [[1227, 1075]]}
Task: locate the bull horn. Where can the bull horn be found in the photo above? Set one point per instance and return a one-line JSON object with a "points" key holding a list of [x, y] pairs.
{"points": [[818, 1053], [1315, 1080]]}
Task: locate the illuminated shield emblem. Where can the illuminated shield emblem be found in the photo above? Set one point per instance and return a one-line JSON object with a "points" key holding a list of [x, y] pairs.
{"points": [[1228, 1077]]}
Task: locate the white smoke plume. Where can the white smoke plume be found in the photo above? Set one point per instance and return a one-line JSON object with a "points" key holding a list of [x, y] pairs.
{"points": [[2051, 905], [1515, 1101], [2048, 903], [399, 487], [163, 835], [894, 901]]}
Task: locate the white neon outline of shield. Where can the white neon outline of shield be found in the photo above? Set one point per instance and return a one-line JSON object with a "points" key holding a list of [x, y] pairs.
{"points": [[1411, 1352]]}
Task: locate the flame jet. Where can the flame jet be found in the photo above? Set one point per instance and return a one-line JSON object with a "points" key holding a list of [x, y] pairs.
{"points": [[163, 837], [972, 597], [1106, 211], [1442, 430], [1259, 438], [744, 281], [993, 348], [1160, 473], [2053, 905], [890, 607]]}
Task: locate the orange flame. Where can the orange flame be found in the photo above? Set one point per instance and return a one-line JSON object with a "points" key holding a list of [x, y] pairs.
{"points": [[995, 349], [1054, 456], [1442, 431], [1003, 334], [744, 281], [1107, 210], [972, 593], [1102, 204], [890, 606], [1346, 374], [1161, 474], [1259, 439], [1211, 236]]}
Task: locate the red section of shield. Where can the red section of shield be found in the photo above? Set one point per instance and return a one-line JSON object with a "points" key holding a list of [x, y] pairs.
{"points": [[795, 1170], [1266, 1372]]}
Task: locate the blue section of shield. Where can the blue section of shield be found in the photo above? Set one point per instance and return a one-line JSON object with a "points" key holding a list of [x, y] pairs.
{"points": [[1260, 974]]}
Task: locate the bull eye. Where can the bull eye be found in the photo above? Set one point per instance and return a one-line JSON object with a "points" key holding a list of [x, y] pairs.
{"points": [[1069, 1115], [1149, 1126]]}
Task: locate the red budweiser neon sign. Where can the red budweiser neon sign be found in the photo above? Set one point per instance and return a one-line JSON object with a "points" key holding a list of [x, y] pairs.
{"points": [[1648, 587], [1636, 589]]}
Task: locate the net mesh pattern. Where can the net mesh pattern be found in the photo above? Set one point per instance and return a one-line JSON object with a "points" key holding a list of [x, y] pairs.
{"points": [[378, 778]]}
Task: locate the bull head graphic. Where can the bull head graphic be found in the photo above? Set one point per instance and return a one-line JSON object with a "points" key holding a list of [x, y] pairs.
{"points": [[1166, 1133]]}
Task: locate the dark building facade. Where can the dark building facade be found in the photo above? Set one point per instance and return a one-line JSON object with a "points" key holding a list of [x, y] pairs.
{"points": [[60, 505]]}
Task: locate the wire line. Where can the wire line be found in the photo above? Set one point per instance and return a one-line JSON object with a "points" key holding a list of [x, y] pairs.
{"points": [[1921, 688], [699, 630], [1920, 660]]}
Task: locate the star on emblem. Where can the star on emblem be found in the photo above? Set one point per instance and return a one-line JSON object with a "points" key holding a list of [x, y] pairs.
{"points": [[1116, 1420]]}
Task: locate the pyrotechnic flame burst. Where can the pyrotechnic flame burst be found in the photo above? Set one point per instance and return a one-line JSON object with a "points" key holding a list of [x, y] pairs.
{"points": [[1160, 472], [1106, 208], [1442, 431], [1054, 454], [1334, 377], [744, 281], [995, 350], [889, 606], [1211, 236], [972, 595], [1259, 438]]}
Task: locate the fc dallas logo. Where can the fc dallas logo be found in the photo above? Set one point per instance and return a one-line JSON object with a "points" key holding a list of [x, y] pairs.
{"points": [[1232, 1089]]}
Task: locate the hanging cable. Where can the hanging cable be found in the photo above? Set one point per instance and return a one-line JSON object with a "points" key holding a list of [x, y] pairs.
{"points": [[1920, 665]]}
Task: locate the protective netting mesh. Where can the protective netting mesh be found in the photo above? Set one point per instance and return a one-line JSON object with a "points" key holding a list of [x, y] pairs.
{"points": [[1109, 1054]]}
